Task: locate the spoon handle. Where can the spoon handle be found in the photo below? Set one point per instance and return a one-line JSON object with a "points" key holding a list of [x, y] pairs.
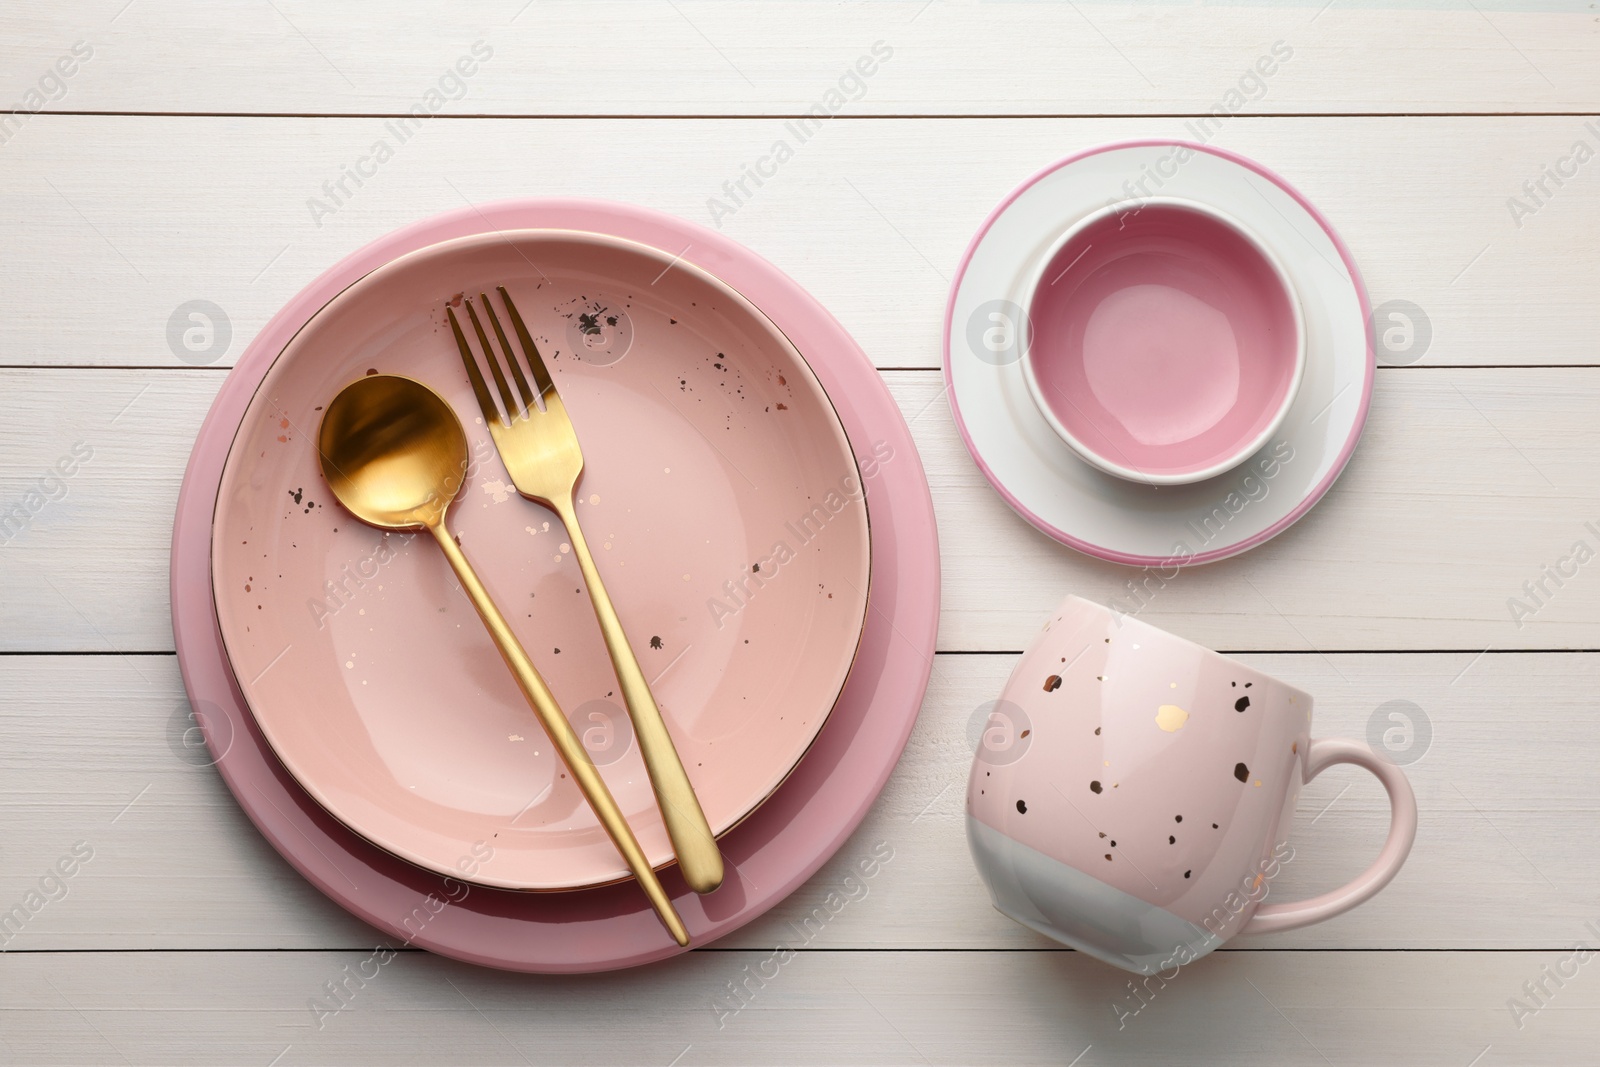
{"points": [[698, 856], [561, 733]]}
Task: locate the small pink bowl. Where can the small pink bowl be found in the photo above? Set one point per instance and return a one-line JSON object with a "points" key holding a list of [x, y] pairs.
{"points": [[1165, 341]]}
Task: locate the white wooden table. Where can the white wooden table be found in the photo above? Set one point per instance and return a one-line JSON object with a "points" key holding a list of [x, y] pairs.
{"points": [[179, 160]]}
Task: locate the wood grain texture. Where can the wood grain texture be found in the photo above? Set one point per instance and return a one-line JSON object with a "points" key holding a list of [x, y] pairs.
{"points": [[184, 161], [697, 57], [1467, 485], [871, 217], [91, 749], [847, 1008]]}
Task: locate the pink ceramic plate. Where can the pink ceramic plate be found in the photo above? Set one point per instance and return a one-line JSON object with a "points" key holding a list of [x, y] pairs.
{"points": [[773, 850], [719, 492]]}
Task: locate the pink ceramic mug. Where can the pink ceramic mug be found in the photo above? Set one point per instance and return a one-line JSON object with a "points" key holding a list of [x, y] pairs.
{"points": [[1133, 794]]}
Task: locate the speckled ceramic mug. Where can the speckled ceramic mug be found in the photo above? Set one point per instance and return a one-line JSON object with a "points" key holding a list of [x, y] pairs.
{"points": [[1133, 794]]}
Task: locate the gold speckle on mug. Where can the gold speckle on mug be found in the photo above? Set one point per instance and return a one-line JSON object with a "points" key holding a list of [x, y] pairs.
{"points": [[1171, 718]]}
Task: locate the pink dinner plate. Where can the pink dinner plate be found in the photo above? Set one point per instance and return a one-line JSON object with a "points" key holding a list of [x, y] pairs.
{"points": [[720, 496], [775, 848]]}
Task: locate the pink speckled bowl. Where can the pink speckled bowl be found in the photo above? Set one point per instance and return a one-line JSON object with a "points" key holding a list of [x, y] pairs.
{"points": [[1165, 342], [724, 505], [1134, 794]]}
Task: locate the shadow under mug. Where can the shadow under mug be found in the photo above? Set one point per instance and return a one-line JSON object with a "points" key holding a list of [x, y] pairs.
{"points": [[1164, 340], [1133, 794]]}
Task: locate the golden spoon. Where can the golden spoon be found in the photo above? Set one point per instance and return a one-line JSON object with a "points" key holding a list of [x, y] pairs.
{"points": [[395, 455]]}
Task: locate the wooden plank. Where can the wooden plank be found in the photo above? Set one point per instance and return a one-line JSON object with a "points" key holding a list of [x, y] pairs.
{"points": [[90, 750], [185, 938], [1468, 484], [872, 217], [698, 57], [825, 1008], [1450, 512]]}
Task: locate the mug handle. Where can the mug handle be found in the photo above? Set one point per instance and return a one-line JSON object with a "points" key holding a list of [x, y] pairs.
{"points": [[1322, 754]]}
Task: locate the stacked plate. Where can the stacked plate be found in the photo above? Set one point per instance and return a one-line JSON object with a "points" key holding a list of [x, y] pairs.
{"points": [[762, 522]]}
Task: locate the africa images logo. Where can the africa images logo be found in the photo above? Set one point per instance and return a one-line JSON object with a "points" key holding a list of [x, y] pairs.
{"points": [[849, 87], [451, 85]]}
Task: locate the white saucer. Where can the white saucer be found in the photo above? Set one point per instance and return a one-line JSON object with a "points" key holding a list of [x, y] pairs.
{"points": [[1098, 513]]}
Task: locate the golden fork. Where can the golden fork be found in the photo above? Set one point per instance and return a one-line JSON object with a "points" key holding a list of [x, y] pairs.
{"points": [[540, 451]]}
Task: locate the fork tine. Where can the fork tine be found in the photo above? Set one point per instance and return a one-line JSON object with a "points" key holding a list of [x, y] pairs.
{"points": [[512, 409], [479, 388], [511, 358], [530, 351]]}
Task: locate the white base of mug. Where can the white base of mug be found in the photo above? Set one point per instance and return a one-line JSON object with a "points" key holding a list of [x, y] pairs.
{"points": [[1079, 910]]}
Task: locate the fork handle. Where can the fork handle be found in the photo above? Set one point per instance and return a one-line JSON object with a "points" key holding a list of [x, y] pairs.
{"points": [[698, 856], [572, 752]]}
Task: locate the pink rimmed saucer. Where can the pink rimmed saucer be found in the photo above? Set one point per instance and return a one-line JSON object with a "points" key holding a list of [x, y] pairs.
{"points": [[774, 849], [1053, 487]]}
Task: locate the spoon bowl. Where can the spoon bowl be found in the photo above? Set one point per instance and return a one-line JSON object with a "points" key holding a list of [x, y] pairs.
{"points": [[392, 451]]}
